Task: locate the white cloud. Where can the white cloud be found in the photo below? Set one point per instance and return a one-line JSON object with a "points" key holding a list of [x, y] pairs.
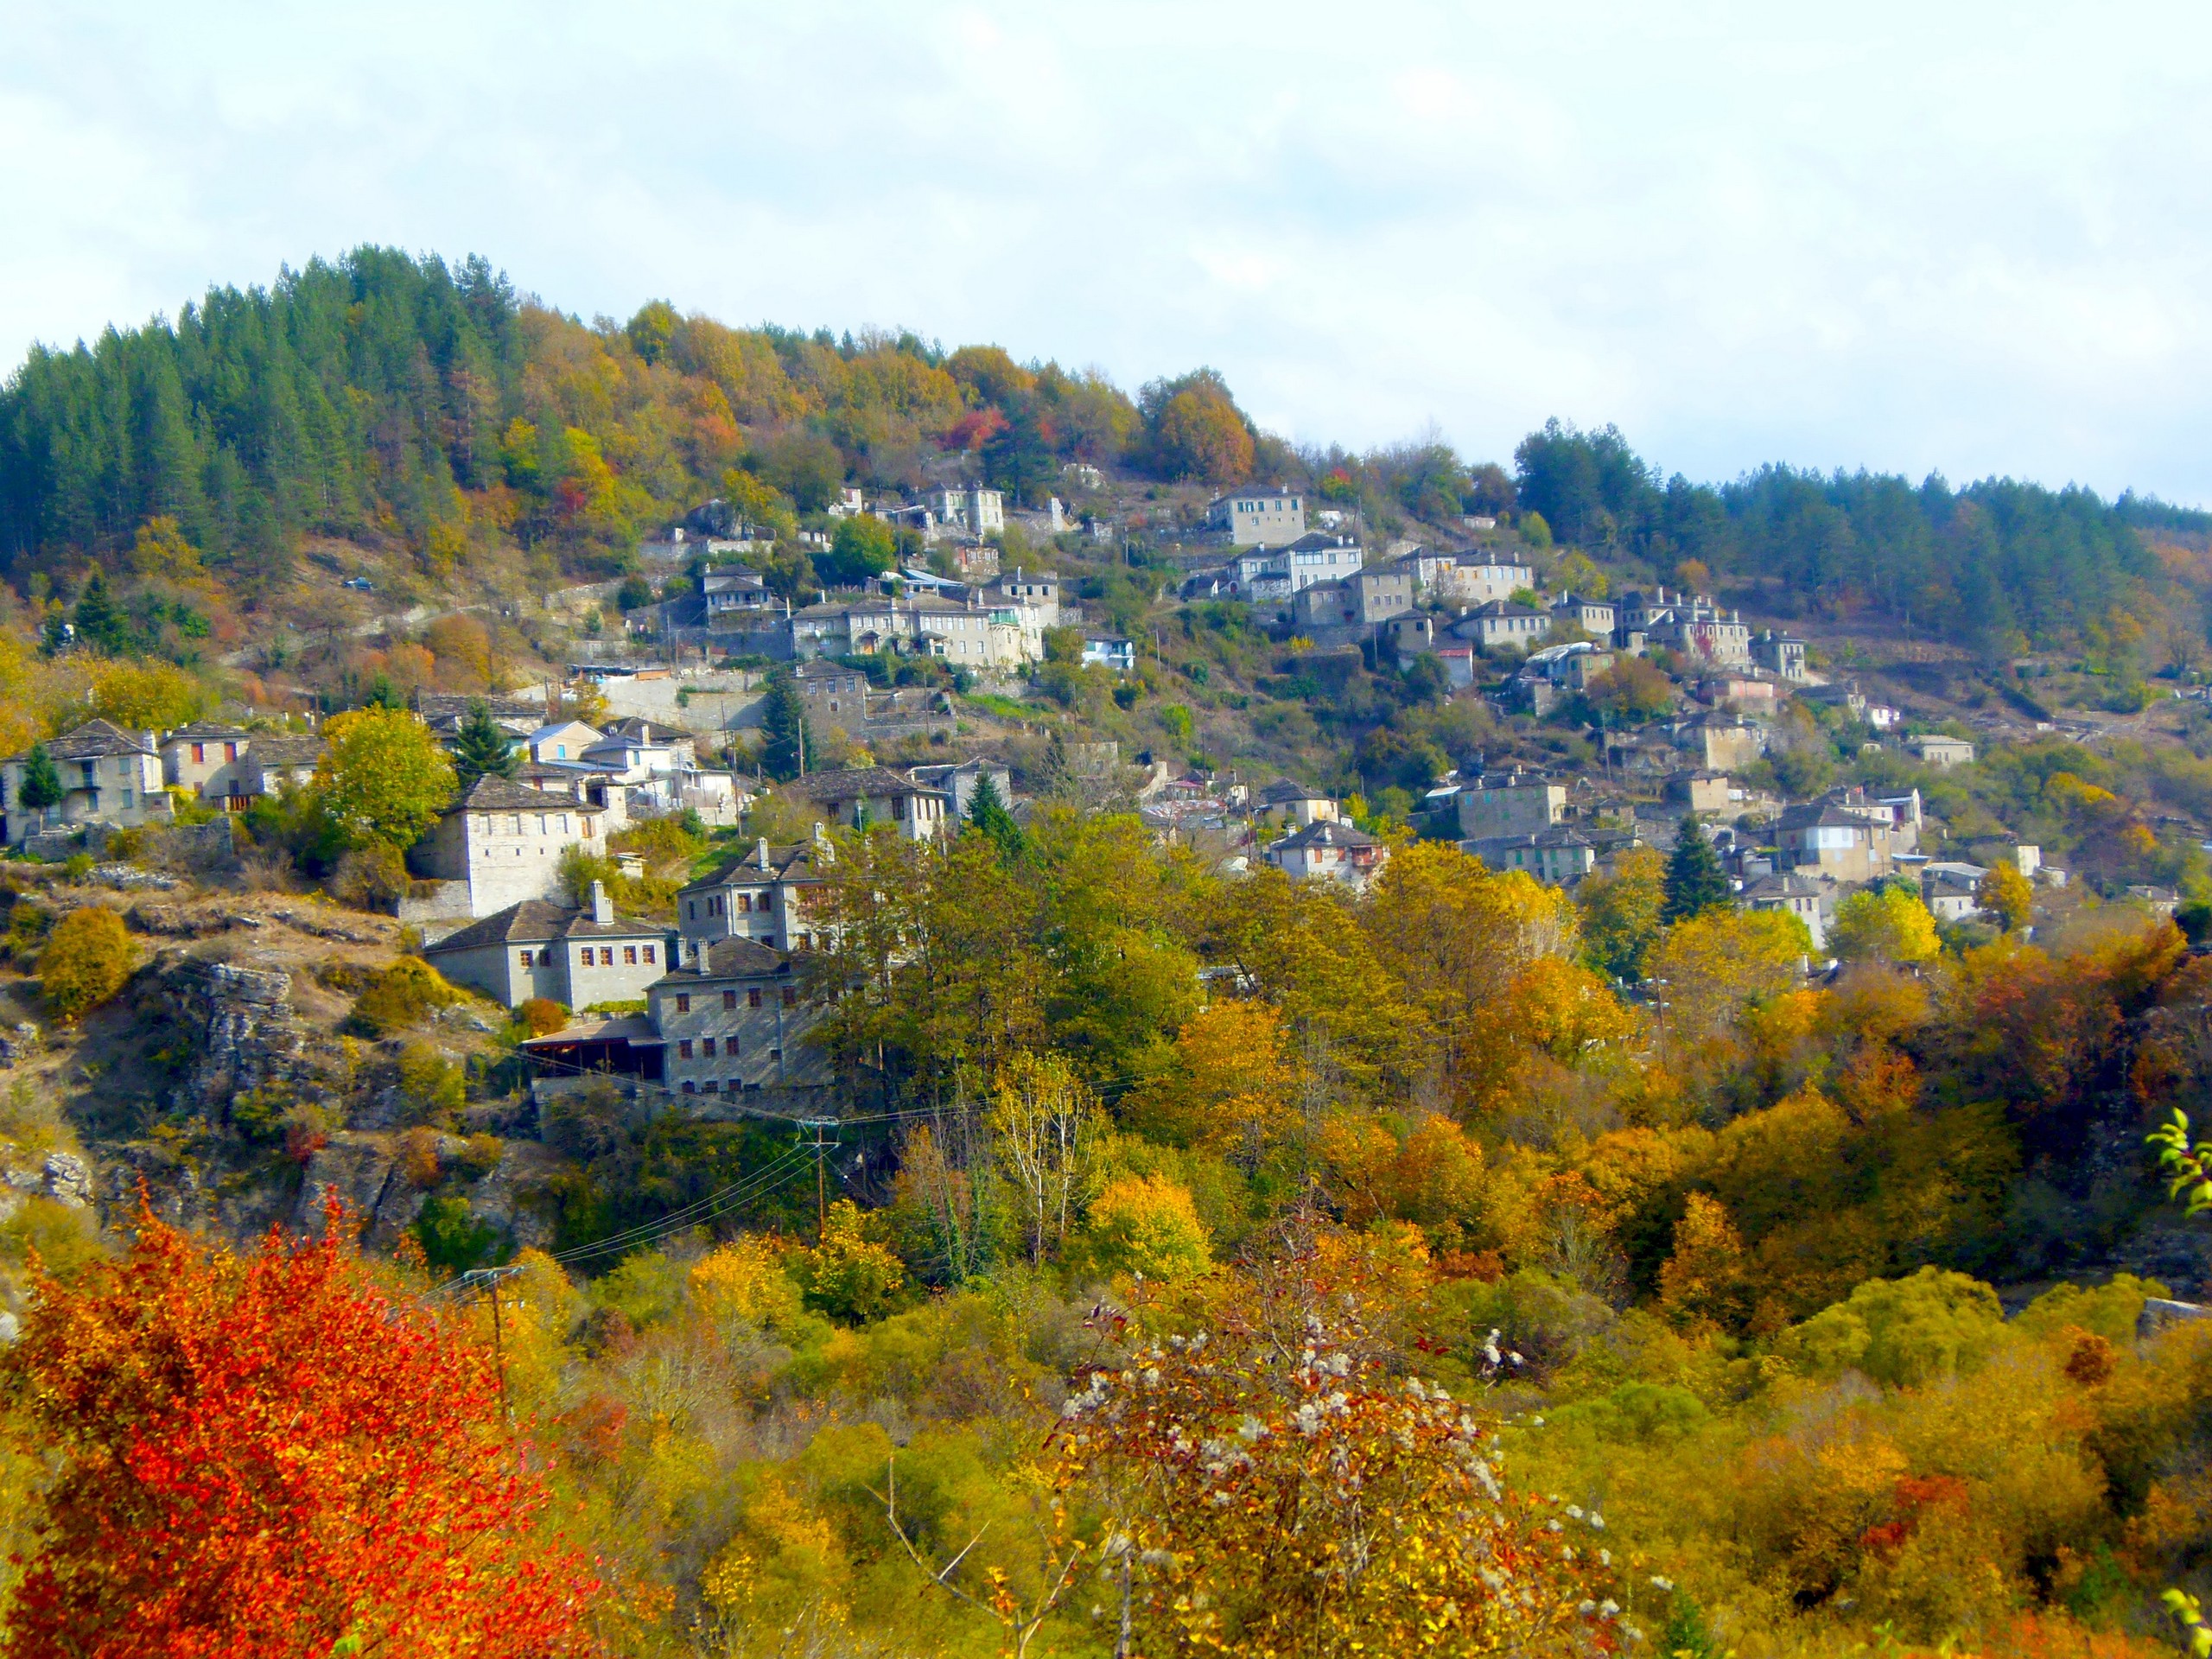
{"points": [[1900, 236]]}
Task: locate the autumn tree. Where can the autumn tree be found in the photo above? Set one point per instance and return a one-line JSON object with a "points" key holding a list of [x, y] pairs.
{"points": [[1197, 432], [1712, 966], [85, 961], [1621, 912], [382, 777], [2006, 895], [264, 1456], [1272, 1487], [1884, 924], [1045, 1125]]}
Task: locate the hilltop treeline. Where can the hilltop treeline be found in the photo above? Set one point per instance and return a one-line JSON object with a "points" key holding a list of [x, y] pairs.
{"points": [[384, 395], [1999, 563]]}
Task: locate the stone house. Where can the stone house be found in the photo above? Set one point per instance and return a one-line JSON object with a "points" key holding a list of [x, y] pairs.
{"points": [[1782, 654], [271, 762], [759, 895], [193, 754], [575, 956], [1514, 803], [503, 843], [1593, 616], [957, 782], [108, 776], [863, 796], [1788, 891], [1259, 517], [1558, 857], [735, 1018], [1502, 622], [1479, 582], [1294, 804], [1942, 751], [1821, 838], [1329, 851]]}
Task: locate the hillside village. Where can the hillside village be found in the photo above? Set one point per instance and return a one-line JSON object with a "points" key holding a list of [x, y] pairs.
{"points": [[843, 878]]}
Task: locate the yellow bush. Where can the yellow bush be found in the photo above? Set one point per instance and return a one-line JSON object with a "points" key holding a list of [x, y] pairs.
{"points": [[1148, 1224], [745, 1283], [403, 995], [85, 961]]}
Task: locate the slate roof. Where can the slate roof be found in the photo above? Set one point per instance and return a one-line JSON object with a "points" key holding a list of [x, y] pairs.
{"points": [[206, 731], [539, 921], [792, 863], [857, 783], [731, 959], [1326, 833], [1283, 791], [489, 794], [1780, 887], [94, 738], [279, 751]]}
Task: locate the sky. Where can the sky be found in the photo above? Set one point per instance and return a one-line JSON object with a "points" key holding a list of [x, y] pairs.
{"points": [[1958, 237]]}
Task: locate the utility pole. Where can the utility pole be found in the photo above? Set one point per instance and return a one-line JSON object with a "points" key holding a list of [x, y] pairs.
{"points": [[825, 1137], [487, 1279]]}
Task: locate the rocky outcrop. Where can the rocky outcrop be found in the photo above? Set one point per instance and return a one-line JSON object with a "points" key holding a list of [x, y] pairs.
{"points": [[61, 1176], [361, 1173], [244, 1030]]}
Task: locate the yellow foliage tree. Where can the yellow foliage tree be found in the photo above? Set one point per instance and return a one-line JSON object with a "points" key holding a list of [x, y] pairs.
{"points": [[1146, 1225], [1230, 1089], [146, 695], [87, 960], [382, 777], [2007, 895], [1704, 1281], [1884, 924], [744, 1285], [159, 549]]}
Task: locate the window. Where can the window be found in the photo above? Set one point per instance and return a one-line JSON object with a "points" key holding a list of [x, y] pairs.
{"points": [[525, 958], [199, 754], [689, 1087], [729, 999], [630, 955], [649, 953], [710, 1087], [684, 1001], [753, 997], [683, 1052], [230, 751], [691, 908], [607, 955], [583, 957], [745, 903], [790, 997], [707, 1047]]}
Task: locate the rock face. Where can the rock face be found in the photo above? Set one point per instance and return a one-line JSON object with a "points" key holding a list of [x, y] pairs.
{"points": [[363, 1175], [61, 1176], [244, 1029]]}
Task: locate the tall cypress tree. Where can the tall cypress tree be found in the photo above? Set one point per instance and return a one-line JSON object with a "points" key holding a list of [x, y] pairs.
{"points": [[41, 784], [782, 723], [1695, 881]]}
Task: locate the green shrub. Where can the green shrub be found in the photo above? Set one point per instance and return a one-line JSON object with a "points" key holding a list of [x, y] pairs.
{"points": [[431, 1089], [454, 1241], [1901, 1332]]}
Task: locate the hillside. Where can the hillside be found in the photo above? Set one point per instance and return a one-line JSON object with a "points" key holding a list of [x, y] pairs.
{"points": [[1717, 1210]]}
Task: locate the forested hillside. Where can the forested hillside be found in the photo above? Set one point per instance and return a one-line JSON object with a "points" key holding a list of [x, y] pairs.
{"points": [[387, 397]]}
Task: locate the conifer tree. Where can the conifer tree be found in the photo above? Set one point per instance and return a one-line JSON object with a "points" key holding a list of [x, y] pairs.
{"points": [[42, 785], [783, 722], [987, 815], [1695, 881], [99, 624], [481, 749]]}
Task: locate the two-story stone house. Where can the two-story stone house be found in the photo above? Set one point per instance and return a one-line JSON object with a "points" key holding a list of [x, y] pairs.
{"points": [[576, 956], [760, 895], [193, 754], [503, 841], [735, 1018], [108, 775]]}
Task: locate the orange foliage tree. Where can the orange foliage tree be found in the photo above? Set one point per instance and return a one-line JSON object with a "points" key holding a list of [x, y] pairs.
{"points": [[264, 1456]]}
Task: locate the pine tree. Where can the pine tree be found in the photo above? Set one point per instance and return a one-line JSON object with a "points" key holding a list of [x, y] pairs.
{"points": [[782, 723], [99, 623], [480, 750], [42, 785], [987, 815], [1695, 881]]}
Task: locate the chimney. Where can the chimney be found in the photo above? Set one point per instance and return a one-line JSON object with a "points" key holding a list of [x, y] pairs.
{"points": [[603, 907], [760, 851]]}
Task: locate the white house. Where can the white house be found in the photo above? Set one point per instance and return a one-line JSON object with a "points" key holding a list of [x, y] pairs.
{"points": [[1329, 851], [759, 895], [733, 1018]]}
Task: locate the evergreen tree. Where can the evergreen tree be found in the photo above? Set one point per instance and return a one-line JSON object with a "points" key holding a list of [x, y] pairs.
{"points": [[100, 624], [783, 722], [41, 784], [987, 815], [481, 749], [1695, 881]]}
